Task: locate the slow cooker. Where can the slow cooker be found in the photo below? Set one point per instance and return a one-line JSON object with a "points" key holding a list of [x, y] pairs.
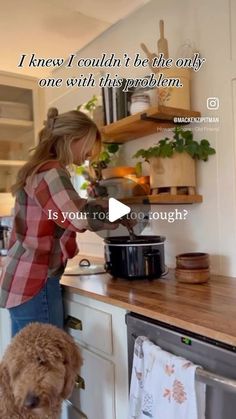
{"points": [[141, 257]]}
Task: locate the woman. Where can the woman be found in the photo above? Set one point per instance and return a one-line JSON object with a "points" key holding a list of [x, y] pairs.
{"points": [[42, 238]]}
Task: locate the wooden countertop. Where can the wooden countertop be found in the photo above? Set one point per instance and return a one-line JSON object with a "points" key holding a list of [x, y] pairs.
{"points": [[207, 309]]}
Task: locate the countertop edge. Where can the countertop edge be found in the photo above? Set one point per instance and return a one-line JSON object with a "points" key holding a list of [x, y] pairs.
{"points": [[173, 321]]}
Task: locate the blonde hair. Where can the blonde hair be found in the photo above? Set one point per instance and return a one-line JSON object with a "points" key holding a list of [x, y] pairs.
{"points": [[55, 140]]}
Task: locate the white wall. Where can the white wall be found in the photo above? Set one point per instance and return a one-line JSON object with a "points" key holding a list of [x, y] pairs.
{"points": [[210, 25]]}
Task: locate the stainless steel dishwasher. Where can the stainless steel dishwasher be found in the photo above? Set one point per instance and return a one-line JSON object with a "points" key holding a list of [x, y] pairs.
{"points": [[218, 360]]}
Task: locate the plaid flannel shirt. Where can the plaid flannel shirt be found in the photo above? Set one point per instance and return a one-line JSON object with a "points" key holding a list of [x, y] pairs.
{"points": [[39, 245]]}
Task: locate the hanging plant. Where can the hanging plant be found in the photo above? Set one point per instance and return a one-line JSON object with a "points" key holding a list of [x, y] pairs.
{"points": [[181, 142]]}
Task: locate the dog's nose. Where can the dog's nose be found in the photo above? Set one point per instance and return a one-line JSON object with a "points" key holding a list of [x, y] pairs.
{"points": [[31, 401]]}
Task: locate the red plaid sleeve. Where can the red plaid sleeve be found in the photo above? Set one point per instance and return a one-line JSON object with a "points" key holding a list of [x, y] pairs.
{"points": [[59, 200]]}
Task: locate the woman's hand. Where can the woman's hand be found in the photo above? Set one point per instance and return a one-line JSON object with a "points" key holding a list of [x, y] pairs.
{"points": [[110, 226], [98, 215]]}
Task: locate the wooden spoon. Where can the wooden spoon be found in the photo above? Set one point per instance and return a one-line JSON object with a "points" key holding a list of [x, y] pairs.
{"points": [[148, 53]]}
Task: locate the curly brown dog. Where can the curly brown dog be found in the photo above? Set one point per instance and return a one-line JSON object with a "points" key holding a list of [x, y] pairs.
{"points": [[37, 373]]}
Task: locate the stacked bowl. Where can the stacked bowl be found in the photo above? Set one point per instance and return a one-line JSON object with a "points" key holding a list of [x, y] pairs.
{"points": [[192, 268]]}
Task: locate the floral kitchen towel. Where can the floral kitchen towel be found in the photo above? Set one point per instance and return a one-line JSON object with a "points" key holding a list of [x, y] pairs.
{"points": [[163, 386]]}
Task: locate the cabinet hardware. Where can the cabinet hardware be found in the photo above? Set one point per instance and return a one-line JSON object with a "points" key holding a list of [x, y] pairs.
{"points": [[74, 323], [79, 382]]}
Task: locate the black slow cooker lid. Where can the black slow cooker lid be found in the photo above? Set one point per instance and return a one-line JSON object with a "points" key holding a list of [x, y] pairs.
{"points": [[138, 240]]}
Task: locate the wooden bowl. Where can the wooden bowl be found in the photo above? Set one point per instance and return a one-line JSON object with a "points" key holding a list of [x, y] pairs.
{"points": [[194, 260], [192, 276], [117, 172]]}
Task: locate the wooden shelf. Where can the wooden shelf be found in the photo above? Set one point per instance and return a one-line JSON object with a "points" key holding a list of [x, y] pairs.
{"points": [[145, 123], [135, 126], [12, 163], [163, 199], [13, 129], [16, 122]]}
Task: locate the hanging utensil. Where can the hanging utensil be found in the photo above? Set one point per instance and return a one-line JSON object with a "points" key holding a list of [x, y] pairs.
{"points": [[162, 43], [150, 55]]}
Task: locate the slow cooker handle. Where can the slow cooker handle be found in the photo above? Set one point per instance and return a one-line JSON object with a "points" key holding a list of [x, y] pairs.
{"points": [[107, 267], [149, 263], [166, 271]]}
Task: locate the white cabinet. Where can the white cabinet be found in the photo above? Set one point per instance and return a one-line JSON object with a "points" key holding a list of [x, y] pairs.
{"points": [[5, 330], [100, 330], [5, 322], [21, 110], [96, 399]]}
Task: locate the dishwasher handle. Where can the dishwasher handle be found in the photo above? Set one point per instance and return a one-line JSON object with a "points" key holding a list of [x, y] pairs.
{"points": [[215, 380]]}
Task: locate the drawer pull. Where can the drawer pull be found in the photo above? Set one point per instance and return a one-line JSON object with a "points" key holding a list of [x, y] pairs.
{"points": [[74, 323], [79, 382]]}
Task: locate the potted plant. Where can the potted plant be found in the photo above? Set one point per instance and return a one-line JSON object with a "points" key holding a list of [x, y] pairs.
{"points": [[93, 174], [94, 109], [173, 160], [107, 157]]}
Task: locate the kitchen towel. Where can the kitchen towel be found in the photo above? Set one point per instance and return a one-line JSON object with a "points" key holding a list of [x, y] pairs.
{"points": [[163, 386]]}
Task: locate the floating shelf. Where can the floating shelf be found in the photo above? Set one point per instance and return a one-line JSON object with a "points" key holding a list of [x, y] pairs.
{"points": [[163, 199], [16, 163], [144, 123]]}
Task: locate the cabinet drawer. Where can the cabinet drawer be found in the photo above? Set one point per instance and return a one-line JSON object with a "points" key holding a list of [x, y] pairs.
{"points": [[88, 325], [96, 399]]}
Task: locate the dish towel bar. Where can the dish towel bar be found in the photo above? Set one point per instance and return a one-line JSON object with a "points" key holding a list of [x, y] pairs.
{"points": [[212, 379]]}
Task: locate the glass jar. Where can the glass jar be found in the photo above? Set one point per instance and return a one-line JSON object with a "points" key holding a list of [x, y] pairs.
{"points": [[139, 103]]}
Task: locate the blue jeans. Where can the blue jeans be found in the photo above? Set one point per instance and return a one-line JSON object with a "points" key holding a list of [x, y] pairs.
{"points": [[45, 307]]}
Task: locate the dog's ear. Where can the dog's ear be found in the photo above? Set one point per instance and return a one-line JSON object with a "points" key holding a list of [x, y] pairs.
{"points": [[8, 408], [6, 381], [73, 362], [4, 372]]}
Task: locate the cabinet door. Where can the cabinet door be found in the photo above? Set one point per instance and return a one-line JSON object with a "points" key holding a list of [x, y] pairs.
{"points": [[96, 399], [20, 120]]}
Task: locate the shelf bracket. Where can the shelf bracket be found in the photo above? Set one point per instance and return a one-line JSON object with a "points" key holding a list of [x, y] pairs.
{"points": [[145, 117]]}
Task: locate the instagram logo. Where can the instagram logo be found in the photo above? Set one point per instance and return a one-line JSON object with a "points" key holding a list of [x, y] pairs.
{"points": [[213, 103]]}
